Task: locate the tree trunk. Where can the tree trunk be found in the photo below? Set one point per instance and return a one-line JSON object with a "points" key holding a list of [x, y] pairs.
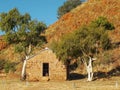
{"points": [[23, 68], [23, 74], [90, 70]]}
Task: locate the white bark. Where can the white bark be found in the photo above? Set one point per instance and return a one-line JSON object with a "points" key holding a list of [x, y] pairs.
{"points": [[23, 68], [89, 68], [25, 61]]}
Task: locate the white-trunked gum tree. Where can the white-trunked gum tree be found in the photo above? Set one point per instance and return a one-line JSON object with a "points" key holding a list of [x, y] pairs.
{"points": [[83, 44], [23, 32]]}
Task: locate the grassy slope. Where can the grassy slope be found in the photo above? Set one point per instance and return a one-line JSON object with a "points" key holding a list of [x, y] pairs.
{"points": [[84, 14]]}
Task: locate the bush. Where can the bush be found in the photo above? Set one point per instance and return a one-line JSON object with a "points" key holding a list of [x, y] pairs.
{"points": [[9, 66], [102, 22], [2, 63]]}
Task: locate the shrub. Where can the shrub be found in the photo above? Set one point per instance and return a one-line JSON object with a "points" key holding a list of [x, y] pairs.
{"points": [[2, 63], [103, 22], [9, 66]]}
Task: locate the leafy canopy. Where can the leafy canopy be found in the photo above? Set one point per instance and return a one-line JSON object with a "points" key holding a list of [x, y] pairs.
{"points": [[21, 30], [81, 42], [103, 22], [67, 7]]}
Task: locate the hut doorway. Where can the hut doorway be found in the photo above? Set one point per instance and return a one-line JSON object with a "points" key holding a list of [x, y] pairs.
{"points": [[45, 69]]}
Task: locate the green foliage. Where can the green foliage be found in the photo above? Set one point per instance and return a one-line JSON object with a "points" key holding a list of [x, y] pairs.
{"points": [[18, 48], [65, 48], [21, 30], [9, 66], [82, 42], [2, 63], [102, 22], [67, 7]]}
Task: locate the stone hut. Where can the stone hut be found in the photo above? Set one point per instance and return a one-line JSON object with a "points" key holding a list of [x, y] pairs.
{"points": [[45, 66]]}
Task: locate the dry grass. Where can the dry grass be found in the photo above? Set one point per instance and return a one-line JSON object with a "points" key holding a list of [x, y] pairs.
{"points": [[108, 84], [83, 15]]}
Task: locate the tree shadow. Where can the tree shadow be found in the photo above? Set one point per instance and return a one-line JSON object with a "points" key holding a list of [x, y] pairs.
{"points": [[75, 76], [99, 75], [113, 72]]}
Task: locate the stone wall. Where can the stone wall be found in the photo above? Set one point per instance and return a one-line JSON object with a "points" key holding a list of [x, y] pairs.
{"points": [[34, 72]]}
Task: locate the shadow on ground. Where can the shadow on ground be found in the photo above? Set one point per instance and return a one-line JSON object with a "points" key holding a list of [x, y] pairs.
{"points": [[97, 75], [75, 76], [113, 72]]}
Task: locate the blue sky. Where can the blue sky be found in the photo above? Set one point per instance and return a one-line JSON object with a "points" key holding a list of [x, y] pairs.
{"points": [[42, 10]]}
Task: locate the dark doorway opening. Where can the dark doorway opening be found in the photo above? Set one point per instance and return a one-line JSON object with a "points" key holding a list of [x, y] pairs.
{"points": [[45, 69]]}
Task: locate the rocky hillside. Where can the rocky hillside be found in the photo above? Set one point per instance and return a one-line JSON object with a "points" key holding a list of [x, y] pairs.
{"points": [[84, 14]]}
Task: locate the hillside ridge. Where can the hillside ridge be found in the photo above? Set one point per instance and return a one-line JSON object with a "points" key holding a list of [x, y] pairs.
{"points": [[83, 15]]}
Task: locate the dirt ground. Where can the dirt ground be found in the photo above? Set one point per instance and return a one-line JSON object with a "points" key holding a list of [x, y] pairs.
{"points": [[101, 84]]}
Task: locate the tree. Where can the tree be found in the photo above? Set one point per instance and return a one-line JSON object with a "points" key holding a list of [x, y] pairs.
{"points": [[67, 7], [102, 22], [22, 31], [83, 43]]}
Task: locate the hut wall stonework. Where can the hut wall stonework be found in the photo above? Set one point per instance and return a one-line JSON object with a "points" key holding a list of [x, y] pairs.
{"points": [[34, 72]]}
